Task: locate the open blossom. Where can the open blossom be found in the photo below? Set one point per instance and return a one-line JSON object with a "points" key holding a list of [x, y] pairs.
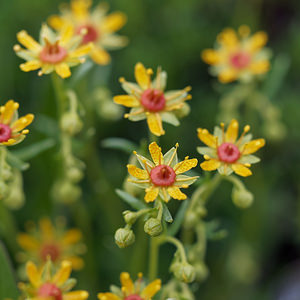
{"points": [[53, 242], [132, 290], [12, 128], [54, 53], [148, 99], [100, 28], [238, 56], [46, 284], [226, 152], [163, 175]]}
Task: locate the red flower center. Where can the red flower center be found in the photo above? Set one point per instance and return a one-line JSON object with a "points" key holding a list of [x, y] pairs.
{"points": [[91, 35], [51, 291], [240, 60], [228, 152], [51, 250], [5, 133], [162, 175], [153, 100], [53, 53], [133, 297]]}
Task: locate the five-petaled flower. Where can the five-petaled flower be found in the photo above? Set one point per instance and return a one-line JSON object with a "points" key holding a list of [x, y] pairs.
{"points": [[55, 52], [162, 177], [148, 100], [99, 27], [238, 57], [51, 241], [11, 128], [45, 284], [227, 153], [132, 290]]}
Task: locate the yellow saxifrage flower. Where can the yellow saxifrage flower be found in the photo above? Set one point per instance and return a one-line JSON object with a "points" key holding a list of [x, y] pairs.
{"points": [[52, 241], [44, 284], [99, 27], [163, 175], [238, 56], [54, 53], [227, 153], [148, 99], [132, 291], [11, 128]]}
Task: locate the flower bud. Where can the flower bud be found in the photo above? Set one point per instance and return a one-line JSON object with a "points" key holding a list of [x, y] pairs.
{"points": [[241, 197], [124, 237], [71, 123], [191, 219], [4, 190], [183, 271], [129, 217], [201, 271], [74, 174], [15, 199], [66, 192], [153, 227]]}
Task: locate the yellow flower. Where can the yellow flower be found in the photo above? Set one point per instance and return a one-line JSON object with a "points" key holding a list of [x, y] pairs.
{"points": [[238, 56], [227, 153], [163, 175], [11, 128], [55, 242], [98, 27], [45, 284], [132, 290], [148, 100], [55, 52]]}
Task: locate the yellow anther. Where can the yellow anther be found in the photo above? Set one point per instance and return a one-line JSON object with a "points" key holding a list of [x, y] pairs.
{"points": [[122, 79], [206, 157], [17, 48]]}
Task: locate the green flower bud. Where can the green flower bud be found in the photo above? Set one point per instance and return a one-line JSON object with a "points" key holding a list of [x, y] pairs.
{"points": [[241, 197], [74, 174], [129, 217], [124, 237], [15, 199], [4, 190], [183, 271], [71, 123], [191, 219], [201, 271], [66, 192], [153, 227]]}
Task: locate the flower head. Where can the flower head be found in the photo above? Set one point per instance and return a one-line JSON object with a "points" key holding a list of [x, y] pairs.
{"points": [[55, 242], [132, 290], [54, 52], [148, 99], [163, 175], [238, 56], [11, 127], [226, 152], [45, 284], [98, 27]]}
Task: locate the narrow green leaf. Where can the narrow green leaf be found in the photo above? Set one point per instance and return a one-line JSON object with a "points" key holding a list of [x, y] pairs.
{"points": [[119, 144], [166, 214], [46, 125], [132, 201], [16, 162], [174, 228]]}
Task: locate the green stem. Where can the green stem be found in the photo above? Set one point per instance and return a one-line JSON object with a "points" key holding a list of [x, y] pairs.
{"points": [[154, 258], [178, 245]]}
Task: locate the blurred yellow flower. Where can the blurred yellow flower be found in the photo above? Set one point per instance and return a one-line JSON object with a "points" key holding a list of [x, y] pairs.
{"points": [[227, 153], [11, 127], [238, 56], [98, 27], [54, 53], [44, 284], [132, 290], [163, 175], [52, 241], [148, 100]]}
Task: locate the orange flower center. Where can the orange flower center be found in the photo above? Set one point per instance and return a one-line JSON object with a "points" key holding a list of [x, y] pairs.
{"points": [[50, 291], [162, 175], [153, 100], [91, 35], [5, 133], [50, 250], [53, 53], [240, 60], [133, 297], [228, 153]]}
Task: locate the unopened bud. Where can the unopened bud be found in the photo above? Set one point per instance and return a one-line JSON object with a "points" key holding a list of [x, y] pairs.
{"points": [[4, 190], [183, 271], [66, 192], [124, 237], [191, 219], [129, 217], [153, 227], [201, 271], [241, 197], [71, 123], [74, 174]]}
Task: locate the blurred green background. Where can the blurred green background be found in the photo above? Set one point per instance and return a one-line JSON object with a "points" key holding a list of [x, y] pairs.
{"points": [[258, 259]]}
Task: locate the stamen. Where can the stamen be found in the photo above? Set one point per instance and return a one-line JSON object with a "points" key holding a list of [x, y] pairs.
{"points": [[171, 159], [246, 129]]}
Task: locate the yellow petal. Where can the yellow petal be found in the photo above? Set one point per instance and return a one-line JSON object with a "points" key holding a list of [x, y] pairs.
{"points": [[210, 165], [155, 124], [142, 77], [31, 65], [151, 194], [77, 262], [211, 56], [151, 289], [28, 242], [100, 56], [113, 22], [156, 154], [63, 70], [80, 9], [253, 146], [9, 142], [72, 236], [185, 165], [108, 296], [63, 274], [27, 41], [127, 283], [21, 123], [241, 170], [137, 172], [56, 22], [8, 110], [257, 41], [126, 100], [82, 50], [66, 34], [76, 295], [207, 138], [260, 67], [228, 38], [33, 274], [176, 193], [47, 229], [228, 75], [232, 131]]}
